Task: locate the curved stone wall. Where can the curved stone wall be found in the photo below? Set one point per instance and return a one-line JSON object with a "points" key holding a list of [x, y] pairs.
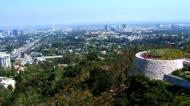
{"points": [[156, 69]]}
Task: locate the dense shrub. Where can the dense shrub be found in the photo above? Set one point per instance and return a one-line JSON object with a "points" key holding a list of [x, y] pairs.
{"points": [[99, 81], [145, 92]]}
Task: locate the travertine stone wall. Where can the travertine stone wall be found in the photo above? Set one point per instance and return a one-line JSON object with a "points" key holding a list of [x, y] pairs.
{"points": [[156, 69]]}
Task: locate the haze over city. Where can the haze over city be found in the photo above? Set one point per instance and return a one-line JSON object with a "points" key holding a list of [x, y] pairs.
{"points": [[46, 12], [95, 53]]}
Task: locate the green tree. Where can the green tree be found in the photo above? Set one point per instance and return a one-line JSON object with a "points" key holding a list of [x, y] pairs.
{"points": [[99, 80]]}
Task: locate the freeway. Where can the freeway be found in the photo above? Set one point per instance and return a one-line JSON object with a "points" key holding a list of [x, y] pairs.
{"points": [[24, 48]]}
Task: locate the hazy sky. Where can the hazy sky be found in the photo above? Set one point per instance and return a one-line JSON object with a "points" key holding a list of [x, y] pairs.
{"points": [[43, 12]]}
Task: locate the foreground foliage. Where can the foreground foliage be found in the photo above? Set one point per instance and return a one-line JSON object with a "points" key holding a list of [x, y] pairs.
{"points": [[182, 73], [88, 81], [143, 92]]}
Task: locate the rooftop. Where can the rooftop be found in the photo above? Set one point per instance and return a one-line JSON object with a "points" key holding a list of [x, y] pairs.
{"points": [[3, 54]]}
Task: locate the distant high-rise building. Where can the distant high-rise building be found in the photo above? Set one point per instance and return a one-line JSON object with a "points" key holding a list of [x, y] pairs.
{"points": [[8, 32], [15, 32], [1, 34], [106, 28], [5, 61], [113, 28], [119, 28], [21, 32], [124, 26]]}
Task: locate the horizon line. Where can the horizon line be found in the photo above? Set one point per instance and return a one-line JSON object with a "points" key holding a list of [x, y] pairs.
{"points": [[93, 23]]}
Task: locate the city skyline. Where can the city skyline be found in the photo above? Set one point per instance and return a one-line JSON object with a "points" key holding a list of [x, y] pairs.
{"points": [[47, 12]]}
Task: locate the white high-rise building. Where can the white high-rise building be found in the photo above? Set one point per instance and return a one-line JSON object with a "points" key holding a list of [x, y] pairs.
{"points": [[1, 35], [5, 61]]}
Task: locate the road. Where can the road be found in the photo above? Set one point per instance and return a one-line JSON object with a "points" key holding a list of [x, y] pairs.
{"points": [[24, 48]]}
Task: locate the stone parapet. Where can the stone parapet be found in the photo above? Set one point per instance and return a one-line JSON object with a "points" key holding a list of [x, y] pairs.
{"points": [[156, 69]]}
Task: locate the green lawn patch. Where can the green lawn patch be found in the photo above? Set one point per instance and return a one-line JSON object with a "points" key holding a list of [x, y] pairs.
{"points": [[165, 54]]}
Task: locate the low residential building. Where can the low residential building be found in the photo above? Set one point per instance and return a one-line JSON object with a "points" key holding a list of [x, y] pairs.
{"points": [[19, 68], [36, 54], [39, 59], [26, 59], [5, 82]]}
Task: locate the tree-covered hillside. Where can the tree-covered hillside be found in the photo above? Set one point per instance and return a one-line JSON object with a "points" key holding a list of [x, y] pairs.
{"points": [[89, 82]]}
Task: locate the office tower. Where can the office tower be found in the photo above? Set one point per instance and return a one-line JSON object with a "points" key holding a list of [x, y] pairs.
{"points": [[124, 26], [119, 28], [15, 32], [106, 28]]}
